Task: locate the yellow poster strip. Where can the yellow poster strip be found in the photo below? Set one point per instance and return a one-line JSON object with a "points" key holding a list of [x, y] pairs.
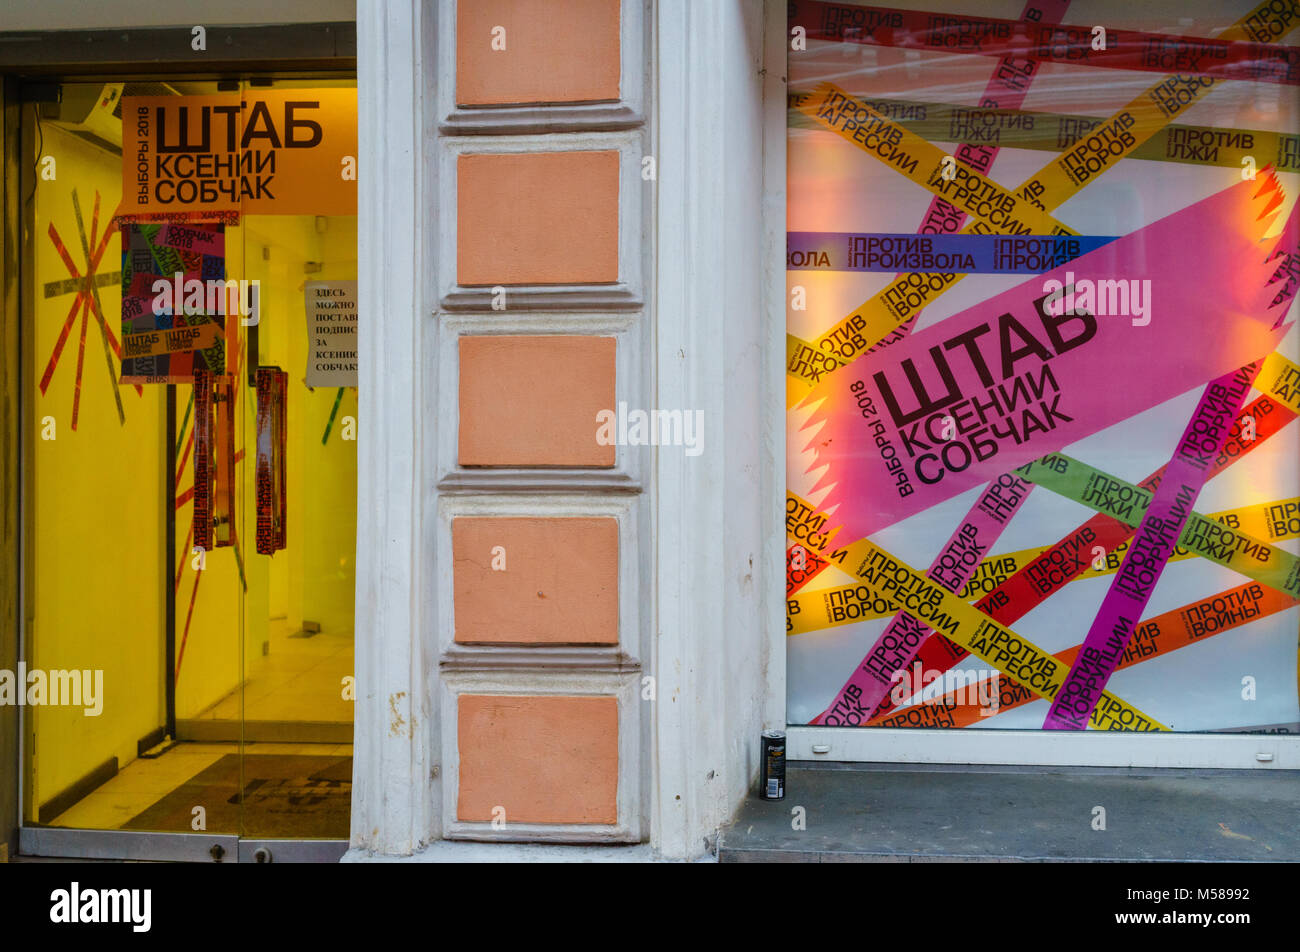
{"points": [[174, 341], [1055, 183], [1280, 379]]}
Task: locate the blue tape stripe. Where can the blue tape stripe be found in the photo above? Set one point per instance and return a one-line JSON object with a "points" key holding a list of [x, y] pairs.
{"points": [[965, 254]]}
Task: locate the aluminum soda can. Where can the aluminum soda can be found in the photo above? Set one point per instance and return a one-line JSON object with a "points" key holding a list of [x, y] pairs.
{"points": [[772, 776]]}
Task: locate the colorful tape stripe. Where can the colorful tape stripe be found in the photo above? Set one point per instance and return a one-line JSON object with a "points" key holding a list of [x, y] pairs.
{"points": [[1153, 638], [926, 165], [203, 440], [1162, 524], [1126, 503], [1058, 181], [1280, 378], [1070, 557], [974, 254], [907, 590], [1232, 56], [1054, 132], [272, 388], [848, 604]]}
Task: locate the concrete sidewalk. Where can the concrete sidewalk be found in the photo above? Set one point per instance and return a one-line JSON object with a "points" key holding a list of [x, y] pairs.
{"points": [[915, 813]]}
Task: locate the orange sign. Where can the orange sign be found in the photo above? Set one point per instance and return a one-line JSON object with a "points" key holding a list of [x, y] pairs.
{"points": [[262, 152]]}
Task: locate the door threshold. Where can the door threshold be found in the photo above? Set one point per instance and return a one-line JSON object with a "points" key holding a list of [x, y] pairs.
{"points": [[35, 842], [128, 845]]}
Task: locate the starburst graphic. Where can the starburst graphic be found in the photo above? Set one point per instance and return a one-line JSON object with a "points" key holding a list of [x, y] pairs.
{"points": [[86, 285]]}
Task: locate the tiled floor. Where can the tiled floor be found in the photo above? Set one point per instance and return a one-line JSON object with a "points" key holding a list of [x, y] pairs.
{"points": [[144, 781], [299, 679]]}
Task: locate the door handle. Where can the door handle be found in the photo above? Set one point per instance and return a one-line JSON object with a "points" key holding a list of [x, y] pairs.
{"points": [[214, 477], [203, 460]]}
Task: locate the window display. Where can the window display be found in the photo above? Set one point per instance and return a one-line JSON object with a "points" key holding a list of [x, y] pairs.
{"points": [[1043, 470]]}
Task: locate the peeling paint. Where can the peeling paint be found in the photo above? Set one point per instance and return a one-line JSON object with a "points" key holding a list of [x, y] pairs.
{"points": [[396, 721]]}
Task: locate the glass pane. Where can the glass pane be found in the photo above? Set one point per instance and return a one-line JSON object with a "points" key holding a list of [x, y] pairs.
{"points": [[1001, 435], [101, 504], [297, 765]]}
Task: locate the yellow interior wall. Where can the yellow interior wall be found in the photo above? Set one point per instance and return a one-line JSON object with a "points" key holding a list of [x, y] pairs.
{"points": [[328, 519], [313, 578], [94, 497]]}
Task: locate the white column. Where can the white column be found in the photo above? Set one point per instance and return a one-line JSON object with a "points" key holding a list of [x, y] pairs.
{"points": [[719, 310], [394, 790]]}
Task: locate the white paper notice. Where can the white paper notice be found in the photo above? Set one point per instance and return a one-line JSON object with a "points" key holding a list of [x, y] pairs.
{"points": [[331, 333]]}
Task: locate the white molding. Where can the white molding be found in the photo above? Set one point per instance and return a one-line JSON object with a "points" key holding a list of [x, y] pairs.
{"points": [[627, 654], [773, 333], [624, 113], [631, 463], [394, 789], [1043, 748], [625, 293], [631, 796]]}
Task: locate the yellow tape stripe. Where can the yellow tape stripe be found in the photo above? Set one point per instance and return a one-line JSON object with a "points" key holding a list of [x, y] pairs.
{"points": [[1280, 379]]}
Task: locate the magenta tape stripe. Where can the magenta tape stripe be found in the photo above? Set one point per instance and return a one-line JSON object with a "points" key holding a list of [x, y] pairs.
{"points": [[1148, 553]]}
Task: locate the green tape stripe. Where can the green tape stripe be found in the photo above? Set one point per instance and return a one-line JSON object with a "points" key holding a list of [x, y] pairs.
{"points": [[1056, 132], [329, 425], [1231, 548]]}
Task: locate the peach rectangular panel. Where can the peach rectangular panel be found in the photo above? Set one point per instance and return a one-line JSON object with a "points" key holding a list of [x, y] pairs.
{"points": [[536, 51], [537, 218], [532, 401], [538, 759], [535, 581]]}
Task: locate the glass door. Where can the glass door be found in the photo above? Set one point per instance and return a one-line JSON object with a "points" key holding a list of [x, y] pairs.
{"points": [[300, 253], [191, 471]]}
